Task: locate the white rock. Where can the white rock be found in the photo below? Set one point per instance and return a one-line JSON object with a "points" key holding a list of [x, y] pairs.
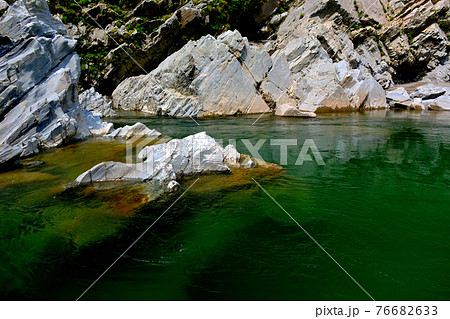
{"points": [[399, 98], [172, 187], [428, 92], [231, 156], [96, 103], [441, 103], [9, 154], [138, 130], [195, 154], [287, 110], [164, 163], [39, 73], [207, 77]]}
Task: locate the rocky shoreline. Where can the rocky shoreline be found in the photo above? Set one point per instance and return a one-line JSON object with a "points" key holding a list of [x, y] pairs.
{"points": [[319, 56]]}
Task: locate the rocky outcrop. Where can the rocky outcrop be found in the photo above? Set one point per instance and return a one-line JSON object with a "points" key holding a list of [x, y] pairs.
{"points": [[286, 110], [208, 77], [304, 75], [425, 97], [399, 99], [137, 130], [393, 40], [228, 76], [39, 73], [166, 163], [98, 104], [133, 37]]}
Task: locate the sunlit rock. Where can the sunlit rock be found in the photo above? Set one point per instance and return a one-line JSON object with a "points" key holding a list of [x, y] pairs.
{"points": [[96, 103], [135, 131], [208, 77]]}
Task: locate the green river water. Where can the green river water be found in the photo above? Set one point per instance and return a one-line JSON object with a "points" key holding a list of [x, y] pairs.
{"points": [[380, 206]]}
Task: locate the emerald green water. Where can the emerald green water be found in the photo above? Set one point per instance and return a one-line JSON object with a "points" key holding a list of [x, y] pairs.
{"points": [[380, 207]]}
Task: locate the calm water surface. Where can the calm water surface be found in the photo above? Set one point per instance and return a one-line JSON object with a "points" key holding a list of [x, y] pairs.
{"points": [[380, 207]]}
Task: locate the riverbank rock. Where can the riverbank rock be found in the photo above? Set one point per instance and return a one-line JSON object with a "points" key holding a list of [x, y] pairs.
{"points": [[99, 105], [441, 103], [426, 97], [304, 75], [286, 110], [399, 98], [9, 155], [208, 77], [166, 163], [137, 130], [428, 91], [39, 73]]}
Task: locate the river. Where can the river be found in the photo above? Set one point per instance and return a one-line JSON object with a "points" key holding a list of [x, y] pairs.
{"points": [[379, 206]]}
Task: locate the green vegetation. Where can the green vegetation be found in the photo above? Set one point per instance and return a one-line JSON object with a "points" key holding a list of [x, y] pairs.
{"points": [[226, 14], [114, 15]]}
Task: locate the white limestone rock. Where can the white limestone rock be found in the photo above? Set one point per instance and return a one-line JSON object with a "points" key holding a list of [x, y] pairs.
{"points": [[304, 75], [164, 163], [137, 130], [399, 98], [441, 103], [195, 154], [39, 73], [231, 156], [428, 91], [286, 110], [207, 77], [96, 103]]}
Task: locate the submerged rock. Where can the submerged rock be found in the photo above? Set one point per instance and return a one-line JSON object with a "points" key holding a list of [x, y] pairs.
{"points": [[208, 77]]}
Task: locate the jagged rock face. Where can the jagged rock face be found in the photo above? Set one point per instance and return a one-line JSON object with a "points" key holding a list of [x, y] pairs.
{"points": [[98, 104], [305, 75], [207, 77], [39, 73], [393, 40], [149, 31]]}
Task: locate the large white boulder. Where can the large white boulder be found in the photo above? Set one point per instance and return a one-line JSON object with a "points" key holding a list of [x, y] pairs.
{"points": [[208, 77], [163, 164]]}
